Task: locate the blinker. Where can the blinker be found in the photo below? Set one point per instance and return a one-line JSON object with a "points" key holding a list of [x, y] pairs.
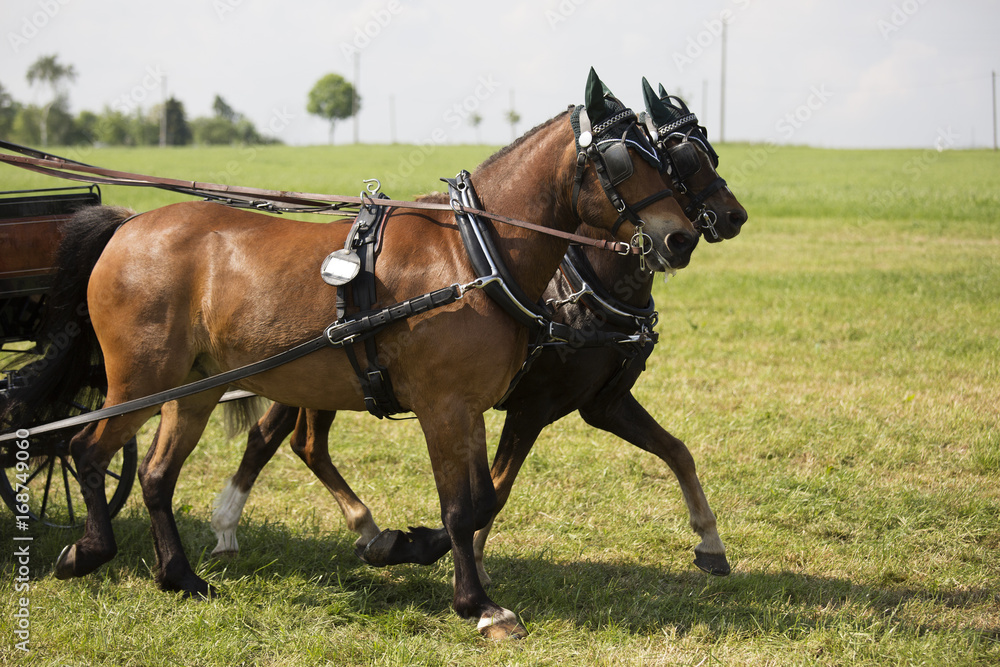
{"points": [[684, 158], [618, 162]]}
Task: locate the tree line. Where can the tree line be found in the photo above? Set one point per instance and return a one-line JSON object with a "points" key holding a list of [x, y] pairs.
{"points": [[164, 124]]}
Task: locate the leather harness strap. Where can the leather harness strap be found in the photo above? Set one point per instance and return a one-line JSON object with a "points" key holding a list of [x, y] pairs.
{"points": [[302, 202], [380, 399]]}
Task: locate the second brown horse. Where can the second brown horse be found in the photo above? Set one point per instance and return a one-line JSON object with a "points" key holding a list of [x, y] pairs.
{"points": [[596, 380]]}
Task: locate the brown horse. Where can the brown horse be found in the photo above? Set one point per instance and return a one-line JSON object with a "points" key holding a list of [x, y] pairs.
{"points": [[194, 289], [558, 382]]}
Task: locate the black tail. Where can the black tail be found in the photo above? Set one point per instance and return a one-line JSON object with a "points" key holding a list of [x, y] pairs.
{"points": [[65, 374]]}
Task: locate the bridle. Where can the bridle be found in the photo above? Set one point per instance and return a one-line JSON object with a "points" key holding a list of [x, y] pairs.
{"points": [[682, 162], [606, 146]]}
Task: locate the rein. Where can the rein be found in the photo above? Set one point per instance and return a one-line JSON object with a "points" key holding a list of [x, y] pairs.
{"points": [[274, 201]]}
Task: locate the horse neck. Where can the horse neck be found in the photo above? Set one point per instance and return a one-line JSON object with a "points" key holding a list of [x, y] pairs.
{"points": [[531, 180], [622, 276]]}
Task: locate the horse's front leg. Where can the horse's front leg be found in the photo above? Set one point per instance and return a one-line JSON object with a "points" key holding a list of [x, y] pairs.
{"points": [[456, 443], [626, 418], [520, 431]]}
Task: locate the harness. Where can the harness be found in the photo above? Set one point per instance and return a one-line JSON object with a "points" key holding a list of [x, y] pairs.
{"points": [[354, 265], [603, 146], [668, 117], [606, 146], [589, 290]]}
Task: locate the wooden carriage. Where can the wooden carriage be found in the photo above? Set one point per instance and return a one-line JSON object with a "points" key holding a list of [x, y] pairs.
{"points": [[40, 469]]}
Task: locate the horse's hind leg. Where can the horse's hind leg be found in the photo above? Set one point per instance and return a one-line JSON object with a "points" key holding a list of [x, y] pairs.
{"points": [[627, 419], [181, 424], [262, 442], [92, 450], [311, 441]]}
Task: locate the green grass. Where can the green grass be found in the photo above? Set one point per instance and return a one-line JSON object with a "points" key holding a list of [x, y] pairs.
{"points": [[834, 370]]}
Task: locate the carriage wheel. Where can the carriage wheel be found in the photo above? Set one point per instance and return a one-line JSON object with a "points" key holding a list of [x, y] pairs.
{"points": [[53, 485]]}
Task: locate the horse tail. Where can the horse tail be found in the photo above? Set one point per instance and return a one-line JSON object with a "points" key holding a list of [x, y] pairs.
{"points": [[241, 415], [65, 374]]}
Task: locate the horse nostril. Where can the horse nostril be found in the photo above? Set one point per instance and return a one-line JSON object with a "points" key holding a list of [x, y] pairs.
{"points": [[738, 216], [681, 243]]}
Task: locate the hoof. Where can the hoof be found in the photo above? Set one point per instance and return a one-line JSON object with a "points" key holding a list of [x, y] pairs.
{"points": [[377, 553], [187, 583], [225, 554], [502, 625], [66, 562], [227, 545], [715, 564], [76, 562]]}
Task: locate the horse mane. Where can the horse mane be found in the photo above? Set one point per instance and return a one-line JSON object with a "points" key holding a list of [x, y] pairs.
{"points": [[520, 140]]}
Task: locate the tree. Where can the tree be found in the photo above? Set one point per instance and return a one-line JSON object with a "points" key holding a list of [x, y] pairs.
{"points": [[178, 132], [8, 112], [475, 120], [513, 118], [48, 71], [224, 111], [333, 98]]}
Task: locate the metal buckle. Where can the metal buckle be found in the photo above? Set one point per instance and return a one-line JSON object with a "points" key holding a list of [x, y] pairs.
{"points": [[709, 219], [572, 298], [642, 241], [478, 283]]}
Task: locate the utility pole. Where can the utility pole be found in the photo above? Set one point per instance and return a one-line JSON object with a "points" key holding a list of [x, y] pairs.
{"points": [[163, 115], [392, 119], [354, 98], [994, 110], [722, 91], [704, 100]]}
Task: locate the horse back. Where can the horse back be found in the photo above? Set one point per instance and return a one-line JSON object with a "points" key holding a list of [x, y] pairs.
{"points": [[203, 284]]}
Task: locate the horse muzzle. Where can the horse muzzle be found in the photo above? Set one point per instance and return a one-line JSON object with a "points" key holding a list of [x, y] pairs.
{"points": [[678, 246], [716, 227]]}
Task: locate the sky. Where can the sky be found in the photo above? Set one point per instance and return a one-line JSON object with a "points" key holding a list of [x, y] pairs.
{"points": [[844, 74]]}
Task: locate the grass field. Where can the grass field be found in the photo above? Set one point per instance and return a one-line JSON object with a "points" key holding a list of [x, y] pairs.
{"points": [[835, 371]]}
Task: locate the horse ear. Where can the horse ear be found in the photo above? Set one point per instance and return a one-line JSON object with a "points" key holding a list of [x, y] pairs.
{"points": [[594, 97], [663, 91], [654, 105]]}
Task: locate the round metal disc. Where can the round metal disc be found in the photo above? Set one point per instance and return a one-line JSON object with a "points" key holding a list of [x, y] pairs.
{"points": [[340, 267]]}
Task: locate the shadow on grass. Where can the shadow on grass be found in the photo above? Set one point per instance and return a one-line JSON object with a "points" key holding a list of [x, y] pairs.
{"points": [[627, 596]]}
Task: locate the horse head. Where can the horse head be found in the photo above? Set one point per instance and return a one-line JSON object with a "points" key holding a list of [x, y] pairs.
{"points": [[690, 163], [625, 185]]}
